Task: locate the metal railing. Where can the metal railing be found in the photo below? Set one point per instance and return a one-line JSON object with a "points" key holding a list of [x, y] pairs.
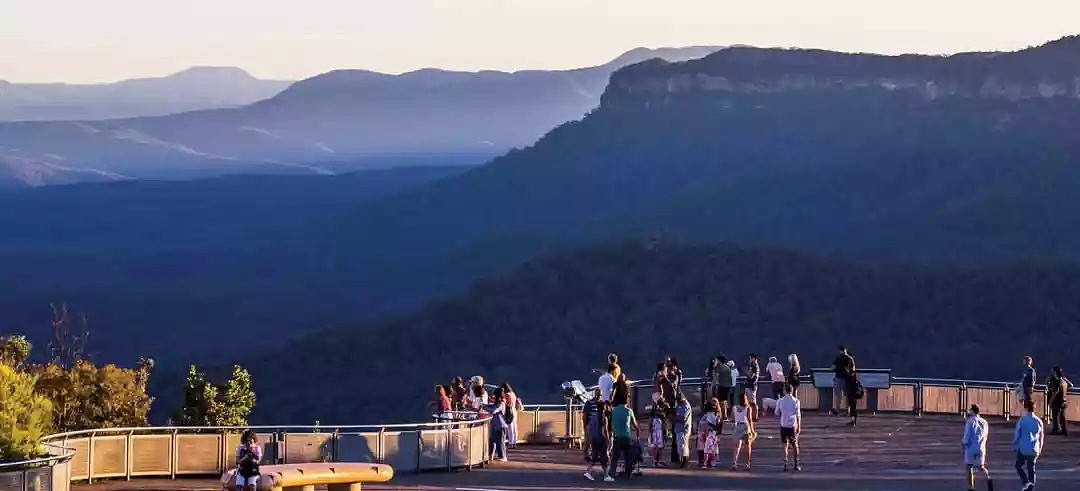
{"points": [[176, 451]]}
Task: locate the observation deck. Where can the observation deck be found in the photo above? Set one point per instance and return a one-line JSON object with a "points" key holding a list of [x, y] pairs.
{"points": [[912, 442]]}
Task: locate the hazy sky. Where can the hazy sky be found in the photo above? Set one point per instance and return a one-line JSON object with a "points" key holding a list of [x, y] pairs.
{"points": [[104, 40]]}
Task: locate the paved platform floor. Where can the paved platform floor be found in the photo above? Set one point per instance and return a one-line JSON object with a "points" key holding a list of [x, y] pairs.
{"points": [[884, 453]]}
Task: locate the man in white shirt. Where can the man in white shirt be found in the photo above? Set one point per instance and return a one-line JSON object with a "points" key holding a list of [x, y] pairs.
{"points": [[976, 432], [607, 383], [789, 409]]}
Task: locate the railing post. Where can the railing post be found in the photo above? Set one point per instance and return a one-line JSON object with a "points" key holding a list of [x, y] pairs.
{"points": [[963, 396], [127, 455], [919, 398], [449, 445], [419, 448], [172, 454], [1005, 406], [90, 459], [379, 457], [468, 448]]}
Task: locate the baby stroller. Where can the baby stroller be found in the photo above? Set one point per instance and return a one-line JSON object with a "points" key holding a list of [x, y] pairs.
{"points": [[634, 458]]}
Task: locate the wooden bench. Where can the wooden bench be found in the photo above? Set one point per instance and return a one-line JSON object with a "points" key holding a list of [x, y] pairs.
{"points": [[339, 476]]}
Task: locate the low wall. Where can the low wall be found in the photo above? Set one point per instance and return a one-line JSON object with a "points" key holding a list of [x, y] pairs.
{"points": [[188, 451]]}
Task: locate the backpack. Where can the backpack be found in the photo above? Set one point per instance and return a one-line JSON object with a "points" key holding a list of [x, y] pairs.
{"points": [[859, 390]]}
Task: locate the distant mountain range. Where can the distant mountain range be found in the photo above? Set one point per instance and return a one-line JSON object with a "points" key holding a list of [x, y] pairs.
{"points": [[346, 115], [967, 159], [188, 90]]}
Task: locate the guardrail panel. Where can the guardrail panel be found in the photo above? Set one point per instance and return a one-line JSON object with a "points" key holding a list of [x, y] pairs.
{"points": [[897, 398], [526, 424], [358, 447], [942, 400], [478, 444], [401, 450], [550, 426], [80, 461], [459, 446], [11, 481], [990, 401], [198, 454], [434, 449], [1072, 411], [809, 398], [110, 456], [301, 448], [151, 455], [1016, 408]]}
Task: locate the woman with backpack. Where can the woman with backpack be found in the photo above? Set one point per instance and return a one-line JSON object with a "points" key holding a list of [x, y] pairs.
{"points": [[248, 455], [513, 405]]}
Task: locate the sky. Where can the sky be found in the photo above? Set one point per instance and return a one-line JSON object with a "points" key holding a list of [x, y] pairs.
{"points": [[81, 41]]}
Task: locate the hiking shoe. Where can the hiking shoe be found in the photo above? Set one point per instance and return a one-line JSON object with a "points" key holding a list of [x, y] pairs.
{"points": [[589, 476], [785, 466], [798, 467], [608, 478]]}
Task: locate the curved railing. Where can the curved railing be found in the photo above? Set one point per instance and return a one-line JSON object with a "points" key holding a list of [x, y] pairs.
{"points": [[187, 451]]}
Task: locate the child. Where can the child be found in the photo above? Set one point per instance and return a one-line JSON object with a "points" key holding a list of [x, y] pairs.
{"points": [[656, 431], [709, 429], [744, 431]]}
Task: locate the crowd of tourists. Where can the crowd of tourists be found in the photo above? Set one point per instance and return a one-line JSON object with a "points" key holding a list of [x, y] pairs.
{"points": [[731, 399], [472, 400], [611, 427]]}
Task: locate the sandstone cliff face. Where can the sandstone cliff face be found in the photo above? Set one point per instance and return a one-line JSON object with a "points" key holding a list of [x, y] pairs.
{"points": [[1046, 72]]}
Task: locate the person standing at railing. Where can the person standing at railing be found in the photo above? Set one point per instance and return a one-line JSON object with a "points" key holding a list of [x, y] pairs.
{"points": [[248, 455], [843, 370], [1028, 443], [458, 394], [976, 433], [723, 385], [442, 404], [498, 411], [1027, 381], [607, 382], [478, 399], [513, 405], [1057, 397], [794, 371], [753, 374], [734, 384], [776, 376], [708, 382]]}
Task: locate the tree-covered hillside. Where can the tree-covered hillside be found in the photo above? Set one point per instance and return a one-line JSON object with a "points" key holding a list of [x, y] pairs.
{"points": [[553, 319]]}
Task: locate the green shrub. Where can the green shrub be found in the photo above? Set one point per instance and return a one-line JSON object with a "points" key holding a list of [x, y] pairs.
{"points": [[25, 417]]}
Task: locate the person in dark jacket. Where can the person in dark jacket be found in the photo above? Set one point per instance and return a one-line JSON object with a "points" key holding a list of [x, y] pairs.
{"points": [[843, 370], [1027, 382], [1057, 397]]}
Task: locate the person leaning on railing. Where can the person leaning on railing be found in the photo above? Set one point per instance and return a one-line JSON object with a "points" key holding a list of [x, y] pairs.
{"points": [[1057, 398]]}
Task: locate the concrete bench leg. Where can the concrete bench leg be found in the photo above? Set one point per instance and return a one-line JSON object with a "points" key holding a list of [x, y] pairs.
{"points": [[344, 487], [309, 487]]}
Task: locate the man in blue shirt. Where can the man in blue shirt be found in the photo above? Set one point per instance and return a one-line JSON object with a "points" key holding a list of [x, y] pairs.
{"points": [[1028, 442]]}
